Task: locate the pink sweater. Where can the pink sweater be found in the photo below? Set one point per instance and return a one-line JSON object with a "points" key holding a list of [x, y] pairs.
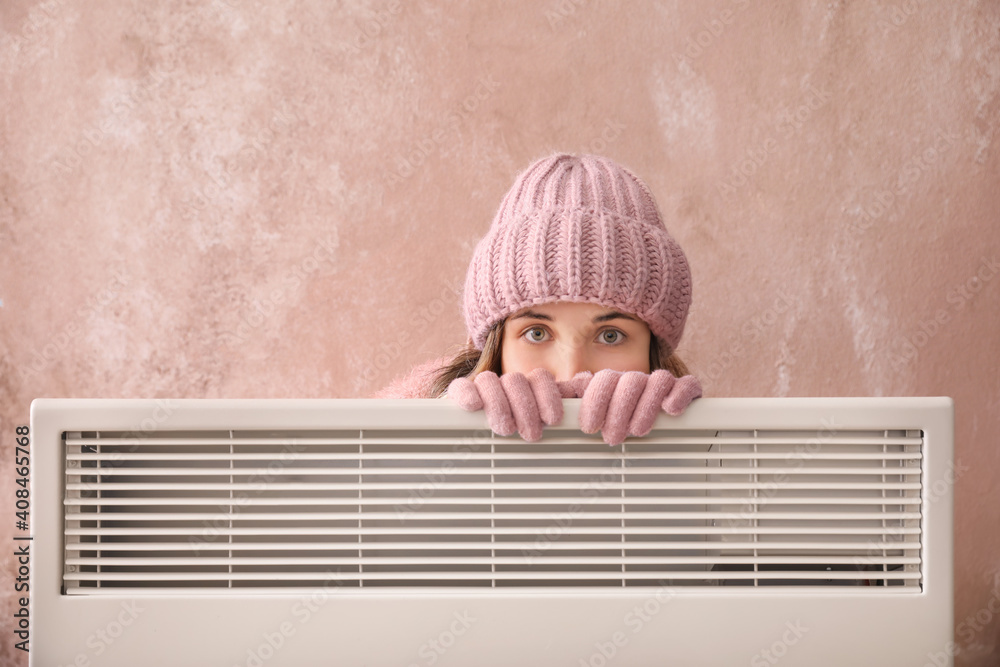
{"points": [[414, 384]]}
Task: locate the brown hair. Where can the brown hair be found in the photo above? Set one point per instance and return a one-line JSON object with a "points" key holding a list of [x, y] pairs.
{"points": [[470, 362]]}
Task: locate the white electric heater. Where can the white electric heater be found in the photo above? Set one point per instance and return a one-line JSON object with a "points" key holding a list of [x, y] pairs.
{"points": [[272, 533]]}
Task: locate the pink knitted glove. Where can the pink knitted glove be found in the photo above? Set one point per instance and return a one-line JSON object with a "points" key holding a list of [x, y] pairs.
{"points": [[513, 401], [620, 404], [574, 388]]}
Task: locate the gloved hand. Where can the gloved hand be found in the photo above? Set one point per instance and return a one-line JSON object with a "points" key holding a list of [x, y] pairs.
{"points": [[620, 404], [513, 401]]}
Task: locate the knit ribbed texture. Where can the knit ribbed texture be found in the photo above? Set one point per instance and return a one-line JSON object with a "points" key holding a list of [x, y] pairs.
{"points": [[578, 228]]}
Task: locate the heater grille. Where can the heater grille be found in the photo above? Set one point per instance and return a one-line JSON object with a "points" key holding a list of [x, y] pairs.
{"points": [[253, 511]]}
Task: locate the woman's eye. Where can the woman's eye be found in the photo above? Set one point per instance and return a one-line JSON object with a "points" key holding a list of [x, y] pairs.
{"points": [[612, 337], [535, 335]]}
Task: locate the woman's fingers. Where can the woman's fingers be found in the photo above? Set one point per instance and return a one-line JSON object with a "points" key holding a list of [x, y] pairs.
{"points": [[622, 406], [464, 392], [575, 387], [512, 402], [683, 392], [596, 398], [615, 403], [547, 396], [495, 403], [648, 407], [522, 405]]}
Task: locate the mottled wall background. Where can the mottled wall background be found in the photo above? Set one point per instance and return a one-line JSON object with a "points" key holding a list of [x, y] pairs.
{"points": [[279, 199]]}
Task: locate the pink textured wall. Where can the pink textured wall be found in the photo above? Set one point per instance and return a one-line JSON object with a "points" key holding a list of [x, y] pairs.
{"points": [[279, 199]]}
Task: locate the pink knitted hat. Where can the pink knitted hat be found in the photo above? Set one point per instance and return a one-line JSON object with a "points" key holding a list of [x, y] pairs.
{"points": [[578, 228]]}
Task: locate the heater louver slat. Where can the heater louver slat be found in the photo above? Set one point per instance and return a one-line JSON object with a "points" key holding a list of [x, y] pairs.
{"points": [[244, 511]]}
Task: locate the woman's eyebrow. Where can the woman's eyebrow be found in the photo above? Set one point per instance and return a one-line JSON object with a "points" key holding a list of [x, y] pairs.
{"points": [[532, 314], [614, 314]]}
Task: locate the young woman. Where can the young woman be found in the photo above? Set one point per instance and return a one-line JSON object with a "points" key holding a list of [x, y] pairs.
{"points": [[576, 291]]}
